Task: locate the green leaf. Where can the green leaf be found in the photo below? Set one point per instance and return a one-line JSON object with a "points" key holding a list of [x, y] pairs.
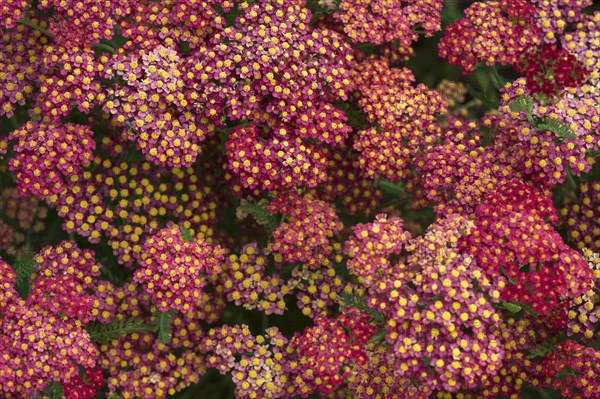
{"points": [[84, 377], [555, 126], [54, 390], [395, 189], [164, 326], [450, 12], [261, 215], [379, 337], [521, 104], [546, 347], [24, 268], [104, 333], [525, 104], [593, 154], [186, 233], [563, 374], [512, 307], [360, 303]]}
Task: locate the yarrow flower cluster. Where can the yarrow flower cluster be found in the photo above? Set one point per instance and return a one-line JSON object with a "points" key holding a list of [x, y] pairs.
{"points": [[21, 214], [174, 270], [319, 356], [137, 362], [371, 247], [124, 201], [247, 284], [42, 337], [255, 362], [20, 63], [580, 367], [305, 234], [491, 32], [538, 259], [404, 116], [277, 163], [154, 109], [550, 70], [349, 184], [548, 138], [579, 216], [47, 155], [585, 312], [387, 21], [289, 198]]}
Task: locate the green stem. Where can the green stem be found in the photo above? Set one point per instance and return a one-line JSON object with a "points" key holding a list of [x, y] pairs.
{"points": [[470, 104], [396, 201], [103, 46], [27, 21], [14, 122], [571, 181], [498, 79]]}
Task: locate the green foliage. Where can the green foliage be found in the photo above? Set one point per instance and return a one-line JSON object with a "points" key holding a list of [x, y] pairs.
{"points": [[541, 124], [359, 302], [593, 154], [378, 338], [391, 188], [556, 127], [164, 320], [512, 307], [24, 268], [488, 82], [104, 333], [318, 11], [54, 390], [517, 307], [545, 348], [356, 118], [261, 215], [451, 12], [522, 104], [186, 233]]}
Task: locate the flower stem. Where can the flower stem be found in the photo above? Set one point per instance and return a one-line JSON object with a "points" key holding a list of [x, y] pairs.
{"points": [[571, 181], [103, 46], [27, 21]]}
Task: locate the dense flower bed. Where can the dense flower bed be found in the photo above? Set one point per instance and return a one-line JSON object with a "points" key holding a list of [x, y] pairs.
{"points": [[290, 199]]}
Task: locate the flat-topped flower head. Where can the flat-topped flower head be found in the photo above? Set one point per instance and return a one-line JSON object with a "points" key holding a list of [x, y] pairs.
{"points": [[544, 270], [247, 284], [549, 70], [47, 155], [175, 269], [20, 62], [274, 164], [39, 347], [8, 295], [318, 357], [572, 369], [308, 231], [70, 79], [580, 216], [384, 21], [256, 362], [154, 107], [584, 311], [373, 246], [491, 32]]}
